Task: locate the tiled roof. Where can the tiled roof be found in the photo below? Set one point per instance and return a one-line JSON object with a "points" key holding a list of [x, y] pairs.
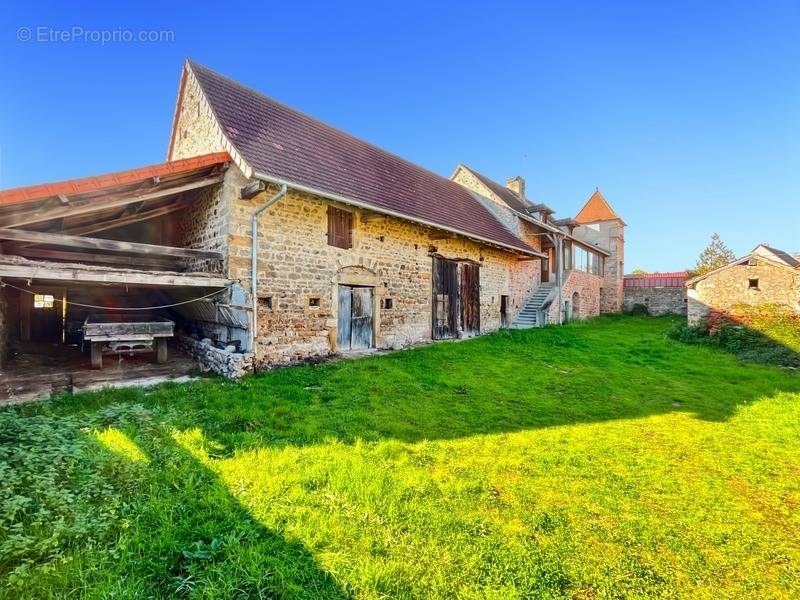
{"points": [[83, 185], [673, 279], [596, 209], [789, 259], [502, 192], [657, 275], [281, 142]]}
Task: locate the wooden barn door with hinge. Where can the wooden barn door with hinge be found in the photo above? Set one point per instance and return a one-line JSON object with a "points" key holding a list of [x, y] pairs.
{"points": [[445, 298], [470, 299], [355, 324]]}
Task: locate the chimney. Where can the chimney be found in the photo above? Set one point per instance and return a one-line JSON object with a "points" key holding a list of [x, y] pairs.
{"points": [[516, 185]]}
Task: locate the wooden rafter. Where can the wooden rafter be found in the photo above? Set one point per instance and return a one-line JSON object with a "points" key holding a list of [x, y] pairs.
{"points": [[74, 241], [125, 219], [106, 259], [48, 271], [22, 216]]}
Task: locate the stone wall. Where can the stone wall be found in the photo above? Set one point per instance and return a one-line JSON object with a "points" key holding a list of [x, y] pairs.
{"points": [[299, 274], [587, 286], [658, 300], [195, 130], [224, 361], [727, 288], [496, 204], [206, 222]]}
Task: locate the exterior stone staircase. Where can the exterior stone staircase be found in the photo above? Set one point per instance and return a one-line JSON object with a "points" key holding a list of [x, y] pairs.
{"points": [[531, 314]]}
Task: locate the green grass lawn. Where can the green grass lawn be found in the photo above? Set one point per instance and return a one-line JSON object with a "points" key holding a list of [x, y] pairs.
{"points": [[595, 460]]}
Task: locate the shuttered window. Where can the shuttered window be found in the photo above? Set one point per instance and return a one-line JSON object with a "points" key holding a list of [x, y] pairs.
{"points": [[340, 228]]}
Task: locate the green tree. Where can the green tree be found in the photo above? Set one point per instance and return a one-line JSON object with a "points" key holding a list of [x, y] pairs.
{"points": [[638, 272], [715, 255]]}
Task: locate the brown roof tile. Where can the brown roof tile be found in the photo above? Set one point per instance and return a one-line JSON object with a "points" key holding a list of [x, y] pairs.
{"points": [[279, 141], [596, 209]]}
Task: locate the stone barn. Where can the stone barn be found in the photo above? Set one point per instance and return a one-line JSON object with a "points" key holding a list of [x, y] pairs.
{"points": [[765, 276], [269, 237]]}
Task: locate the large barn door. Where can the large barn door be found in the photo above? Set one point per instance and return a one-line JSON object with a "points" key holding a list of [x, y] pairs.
{"points": [[354, 328], [470, 299], [445, 298]]}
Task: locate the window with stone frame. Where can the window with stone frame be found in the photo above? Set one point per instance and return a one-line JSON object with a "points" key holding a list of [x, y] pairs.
{"points": [[340, 228]]}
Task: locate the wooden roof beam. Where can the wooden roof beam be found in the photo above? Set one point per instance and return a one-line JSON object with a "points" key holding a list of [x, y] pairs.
{"points": [[48, 271], [126, 219], [105, 259], [97, 244], [21, 217]]}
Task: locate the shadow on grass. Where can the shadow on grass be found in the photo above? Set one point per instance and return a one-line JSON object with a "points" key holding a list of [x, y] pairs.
{"points": [[134, 513]]}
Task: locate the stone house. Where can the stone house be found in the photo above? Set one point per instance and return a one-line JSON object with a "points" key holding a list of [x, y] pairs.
{"points": [[272, 237], [764, 276]]}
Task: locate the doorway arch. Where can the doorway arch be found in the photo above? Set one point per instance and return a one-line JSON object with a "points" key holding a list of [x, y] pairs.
{"points": [[575, 307]]}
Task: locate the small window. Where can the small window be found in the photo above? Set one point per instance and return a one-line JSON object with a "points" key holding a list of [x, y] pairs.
{"points": [[313, 302], [340, 228], [753, 283], [266, 302], [388, 303], [43, 301]]}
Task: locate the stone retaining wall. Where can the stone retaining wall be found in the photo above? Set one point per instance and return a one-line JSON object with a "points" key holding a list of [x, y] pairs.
{"points": [[658, 300], [225, 361]]}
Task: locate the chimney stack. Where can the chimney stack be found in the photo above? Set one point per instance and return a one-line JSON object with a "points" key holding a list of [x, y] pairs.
{"points": [[516, 185]]}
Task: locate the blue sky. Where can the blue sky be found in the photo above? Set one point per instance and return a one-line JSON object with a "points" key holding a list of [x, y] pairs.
{"points": [[686, 115]]}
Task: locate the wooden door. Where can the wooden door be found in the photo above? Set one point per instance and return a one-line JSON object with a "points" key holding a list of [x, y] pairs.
{"points": [[361, 319], [504, 311], [545, 269], [355, 320], [470, 299], [345, 314], [445, 299]]}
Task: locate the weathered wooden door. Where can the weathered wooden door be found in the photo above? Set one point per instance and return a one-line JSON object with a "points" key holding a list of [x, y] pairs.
{"points": [[355, 325], [445, 298], [361, 319], [470, 299]]}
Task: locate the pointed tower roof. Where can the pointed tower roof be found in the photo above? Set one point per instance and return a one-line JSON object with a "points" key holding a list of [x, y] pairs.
{"points": [[596, 209]]}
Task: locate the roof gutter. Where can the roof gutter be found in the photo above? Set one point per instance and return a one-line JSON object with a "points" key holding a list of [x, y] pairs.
{"points": [[391, 213], [254, 266]]}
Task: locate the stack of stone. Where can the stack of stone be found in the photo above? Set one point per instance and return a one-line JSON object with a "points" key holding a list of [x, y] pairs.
{"points": [[227, 361]]}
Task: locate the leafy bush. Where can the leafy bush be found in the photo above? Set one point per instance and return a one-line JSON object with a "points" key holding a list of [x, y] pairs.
{"points": [[639, 310], [767, 334]]}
